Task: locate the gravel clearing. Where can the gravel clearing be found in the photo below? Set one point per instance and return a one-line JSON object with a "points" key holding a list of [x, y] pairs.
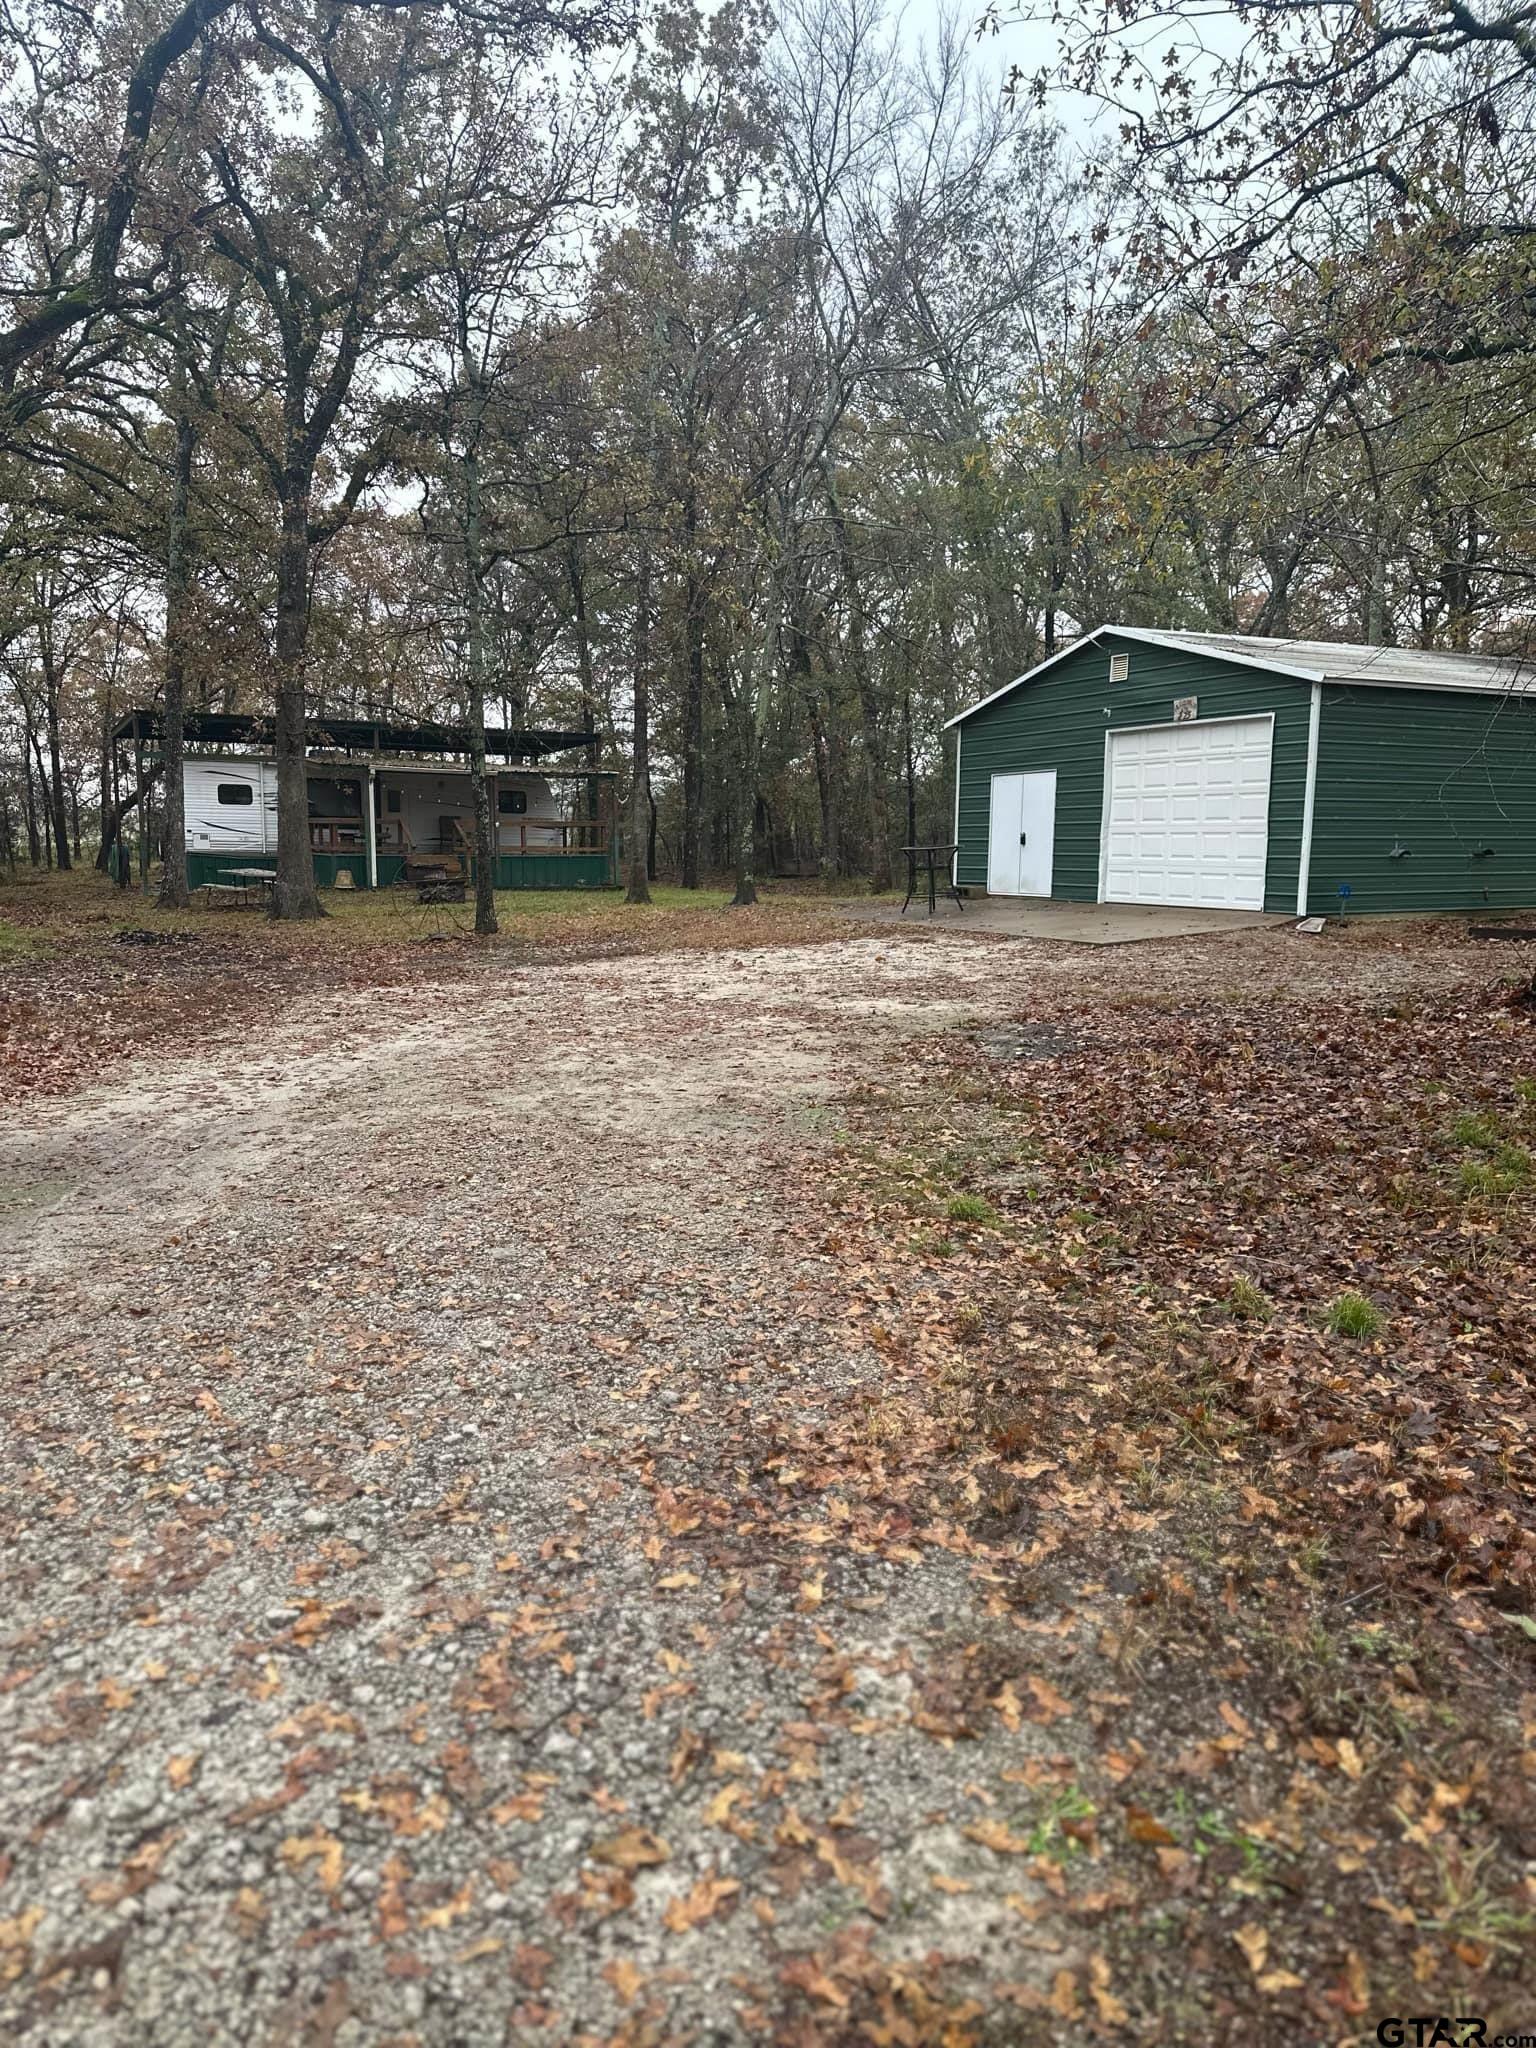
{"points": [[380, 1665]]}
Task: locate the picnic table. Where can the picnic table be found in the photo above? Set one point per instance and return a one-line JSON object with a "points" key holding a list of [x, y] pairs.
{"points": [[928, 858], [243, 882]]}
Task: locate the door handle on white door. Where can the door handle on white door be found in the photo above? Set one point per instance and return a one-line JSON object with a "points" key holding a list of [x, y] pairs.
{"points": [[1023, 839]]}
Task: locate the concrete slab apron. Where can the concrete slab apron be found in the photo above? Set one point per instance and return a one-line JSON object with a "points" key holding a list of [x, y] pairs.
{"points": [[1074, 924]]}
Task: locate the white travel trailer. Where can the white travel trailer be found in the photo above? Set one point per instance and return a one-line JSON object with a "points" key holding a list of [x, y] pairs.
{"points": [[402, 810]]}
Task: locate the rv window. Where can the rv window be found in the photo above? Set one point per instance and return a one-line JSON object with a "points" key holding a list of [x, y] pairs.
{"points": [[392, 802], [236, 793], [511, 802]]}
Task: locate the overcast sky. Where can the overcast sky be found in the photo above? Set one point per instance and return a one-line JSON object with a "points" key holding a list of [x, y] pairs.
{"points": [[1031, 45]]}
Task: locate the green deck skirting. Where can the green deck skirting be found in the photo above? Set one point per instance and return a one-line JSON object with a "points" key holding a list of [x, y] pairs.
{"points": [[214, 867], [553, 871], [515, 871]]}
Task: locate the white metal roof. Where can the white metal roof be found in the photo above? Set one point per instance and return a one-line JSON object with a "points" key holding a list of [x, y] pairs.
{"points": [[1316, 661], [1340, 661]]}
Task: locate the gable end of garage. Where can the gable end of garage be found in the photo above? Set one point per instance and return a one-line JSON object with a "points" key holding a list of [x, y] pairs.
{"points": [[1061, 717]]}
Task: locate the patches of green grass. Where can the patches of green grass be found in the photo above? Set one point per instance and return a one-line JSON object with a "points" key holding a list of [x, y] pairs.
{"points": [[1050, 1836], [1472, 1909], [16, 944], [1376, 1641], [1477, 1132], [1504, 1173], [1249, 1301], [1208, 1832], [973, 1209], [1354, 1315], [1492, 1165]]}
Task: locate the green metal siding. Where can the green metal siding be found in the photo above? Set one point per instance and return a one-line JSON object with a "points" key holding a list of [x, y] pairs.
{"points": [[1059, 721], [1435, 771], [525, 871], [214, 867], [553, 871]]}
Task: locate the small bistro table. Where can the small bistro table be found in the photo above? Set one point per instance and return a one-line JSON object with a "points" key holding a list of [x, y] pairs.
{"points": [[927, 859]]}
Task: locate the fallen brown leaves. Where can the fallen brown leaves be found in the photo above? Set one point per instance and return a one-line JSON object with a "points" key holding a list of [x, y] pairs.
{"points": [[321, 1849], [699, 1904], [1205, 1198], [635, 1849], [1133, 1359], [992, 1617], [75, 998]]}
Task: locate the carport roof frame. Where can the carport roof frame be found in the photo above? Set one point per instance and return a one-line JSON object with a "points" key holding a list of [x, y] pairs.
{"points": [[355, 735]]}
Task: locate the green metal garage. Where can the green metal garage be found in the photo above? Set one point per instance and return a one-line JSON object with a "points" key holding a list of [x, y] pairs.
{"points": [[1229, 772]]}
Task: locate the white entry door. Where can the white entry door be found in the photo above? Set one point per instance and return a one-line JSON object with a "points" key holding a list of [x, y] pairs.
{"points": [[1022, 840], [1186, 814]]}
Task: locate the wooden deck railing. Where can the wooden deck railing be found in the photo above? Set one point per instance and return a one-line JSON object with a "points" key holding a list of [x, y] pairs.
{"points": [[336, 835], [575, 836], [514, 838]]}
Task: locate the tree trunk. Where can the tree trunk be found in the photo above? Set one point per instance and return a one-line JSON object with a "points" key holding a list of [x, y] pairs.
{"points": [[294, 896], [46, 812], [485, 834], [746, 879], [112, 823], [829, 857], [29, 804], [576, 578], [485, 840], [799, 653], [1061, 554], [693, 730], [173, 873], [58, 810], [638, 861], [880, 869], [948, 666], [911, 765], [744, 713]]}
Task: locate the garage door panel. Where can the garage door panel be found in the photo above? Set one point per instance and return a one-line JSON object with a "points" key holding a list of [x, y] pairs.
{"points": [[1187, 814]]}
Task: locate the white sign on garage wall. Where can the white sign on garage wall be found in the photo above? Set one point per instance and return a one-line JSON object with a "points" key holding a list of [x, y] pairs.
{"points": [[1185, 707]]}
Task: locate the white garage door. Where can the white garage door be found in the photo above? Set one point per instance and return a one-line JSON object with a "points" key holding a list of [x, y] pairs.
{"points": [[1187, 820]]}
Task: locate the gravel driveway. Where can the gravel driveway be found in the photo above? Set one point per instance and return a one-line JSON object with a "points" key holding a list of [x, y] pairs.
{"points": [[368, 1676], [421, 1626]]}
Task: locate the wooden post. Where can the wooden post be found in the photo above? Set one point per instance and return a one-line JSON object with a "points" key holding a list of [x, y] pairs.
{"points": [[370, 830]]}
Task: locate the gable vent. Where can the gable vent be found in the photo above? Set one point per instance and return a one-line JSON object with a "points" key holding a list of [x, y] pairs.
{"points": [[1119, 667]]}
